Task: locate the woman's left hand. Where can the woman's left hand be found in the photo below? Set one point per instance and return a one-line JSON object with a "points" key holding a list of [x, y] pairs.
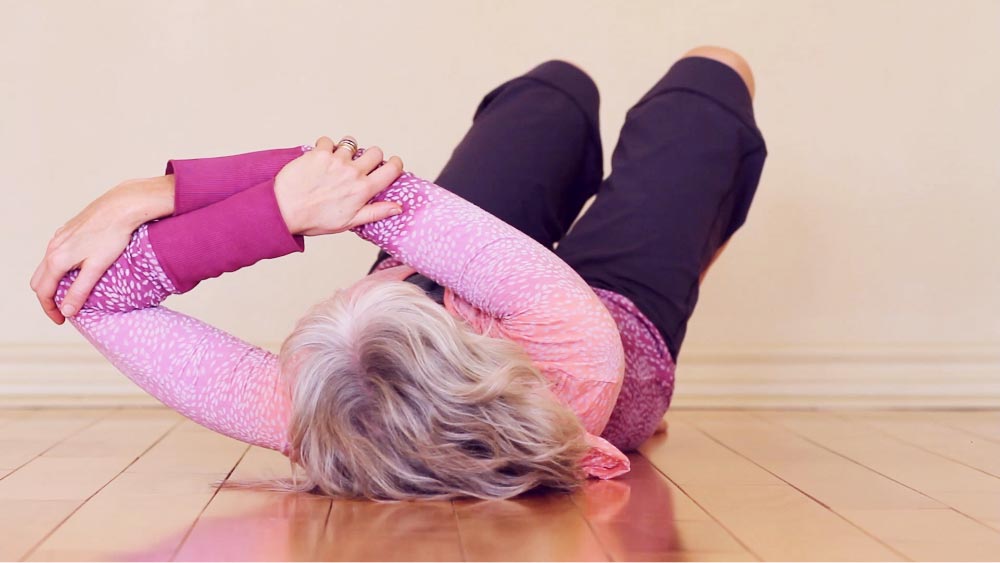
{"points": [[92, 241], [325, 191]]}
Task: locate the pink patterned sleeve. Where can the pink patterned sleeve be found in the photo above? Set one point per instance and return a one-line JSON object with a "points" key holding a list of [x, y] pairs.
{"points": [[202, 372], [531, 296], [235, 388]]}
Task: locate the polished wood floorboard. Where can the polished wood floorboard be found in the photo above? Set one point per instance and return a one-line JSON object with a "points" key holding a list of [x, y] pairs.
{"points": [[753, 485]]}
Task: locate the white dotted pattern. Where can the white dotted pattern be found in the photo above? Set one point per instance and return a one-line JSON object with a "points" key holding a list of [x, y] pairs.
{"points": [[649, 375], [648, 384], [202, 372], [507, 285], [498, 279]]}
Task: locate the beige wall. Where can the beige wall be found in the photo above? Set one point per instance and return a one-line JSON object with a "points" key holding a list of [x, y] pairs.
{"points": [[866, 273]]}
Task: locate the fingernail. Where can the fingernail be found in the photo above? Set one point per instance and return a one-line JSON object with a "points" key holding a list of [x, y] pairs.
{"points": [[66, 309], [397, 211]]}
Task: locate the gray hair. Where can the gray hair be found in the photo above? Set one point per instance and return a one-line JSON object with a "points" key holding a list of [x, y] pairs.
{"points": [[393, 398]]}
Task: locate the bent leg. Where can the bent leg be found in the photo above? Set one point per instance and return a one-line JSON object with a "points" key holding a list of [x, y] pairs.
{"points": [[684, 172], [532, 156]]}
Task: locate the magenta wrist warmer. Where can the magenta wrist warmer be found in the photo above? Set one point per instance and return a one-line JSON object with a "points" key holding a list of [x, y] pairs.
{"points": [[202, 181], [238, 231]]}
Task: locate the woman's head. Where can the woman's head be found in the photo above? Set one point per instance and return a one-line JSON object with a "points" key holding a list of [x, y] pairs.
{"points": [[393, 398]]}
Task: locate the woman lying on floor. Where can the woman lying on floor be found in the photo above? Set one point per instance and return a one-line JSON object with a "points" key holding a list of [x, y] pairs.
{"points": [[473, 360]]}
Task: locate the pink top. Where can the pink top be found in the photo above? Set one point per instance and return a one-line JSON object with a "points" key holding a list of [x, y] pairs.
{"points": [[497, 279]]}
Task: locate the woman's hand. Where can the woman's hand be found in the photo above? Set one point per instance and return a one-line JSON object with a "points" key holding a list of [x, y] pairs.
{"points": [[325, 192], [95, 238]]}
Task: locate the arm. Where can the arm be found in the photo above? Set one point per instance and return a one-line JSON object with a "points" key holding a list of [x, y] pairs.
{"points": [[202, 372], [236, 232], [84, 241], [206, 374], [199, 182], [535, 298], [244, 229]]}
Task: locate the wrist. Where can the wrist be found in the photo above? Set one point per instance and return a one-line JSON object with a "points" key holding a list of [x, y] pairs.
{"points": [[146, 199], [289, 212]]}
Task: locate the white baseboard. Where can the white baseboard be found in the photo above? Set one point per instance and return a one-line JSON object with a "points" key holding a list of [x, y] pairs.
{"points": [[858, 376], [850, 376]]}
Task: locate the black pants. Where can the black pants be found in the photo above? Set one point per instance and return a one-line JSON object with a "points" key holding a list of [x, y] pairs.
{"points": [[684, 172]]}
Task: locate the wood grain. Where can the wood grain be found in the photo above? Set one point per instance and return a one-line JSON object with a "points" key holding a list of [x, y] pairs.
{"points": [[771, 517], [137, 484]]}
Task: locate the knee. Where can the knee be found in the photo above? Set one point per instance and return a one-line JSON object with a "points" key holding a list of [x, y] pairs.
{"points": [[569, 76], [573, 82], [728, 57], [568, 67]]}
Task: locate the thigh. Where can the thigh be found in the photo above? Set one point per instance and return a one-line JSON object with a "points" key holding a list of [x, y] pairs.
{"points": [[532, 156], [684, 172]]}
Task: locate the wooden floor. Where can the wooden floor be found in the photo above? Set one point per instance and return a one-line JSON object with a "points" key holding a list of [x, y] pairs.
{"points": [[134, 484]]}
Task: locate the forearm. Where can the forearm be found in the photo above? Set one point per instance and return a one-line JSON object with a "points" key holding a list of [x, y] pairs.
{"points": [[194, 183], [225, 236], [480, 257], [204, 373], [537, 298], [200, 182], [147, 199], [206, 218]]}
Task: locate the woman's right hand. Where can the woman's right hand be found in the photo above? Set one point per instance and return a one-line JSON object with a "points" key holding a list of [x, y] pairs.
{"points": [[94, 238], [324, 191]]}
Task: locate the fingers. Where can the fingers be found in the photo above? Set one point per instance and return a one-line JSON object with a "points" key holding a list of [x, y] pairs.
{"points": [[45, 281], [324, 143], [374, 212], [77, 294], [384, 175], [49, 306], [56, 240], [45, 291], [344, 154], [47, 275], [368, 160], [35, 276]]}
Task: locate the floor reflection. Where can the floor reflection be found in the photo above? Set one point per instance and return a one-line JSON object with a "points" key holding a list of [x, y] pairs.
{"points": [[632, 514], [408, 531], [536, 526], [254, 526]]}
